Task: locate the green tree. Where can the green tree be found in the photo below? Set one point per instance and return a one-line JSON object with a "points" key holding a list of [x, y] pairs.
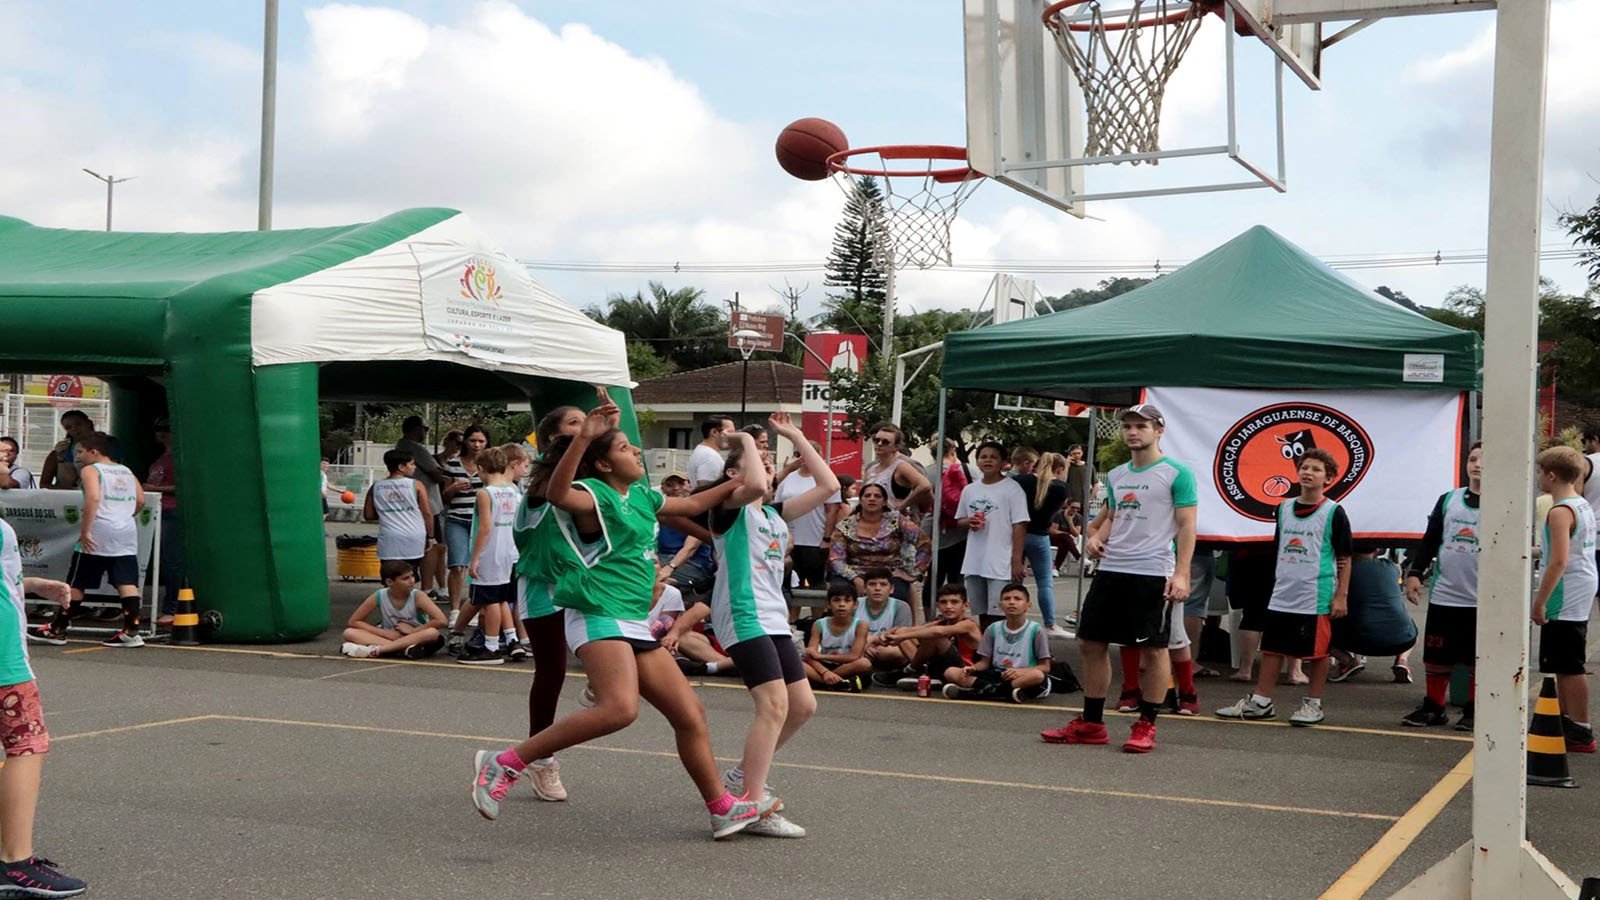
{"points": [[1584, 227], [856, 277], [1105, 290], [644, 362], [681, 327]]}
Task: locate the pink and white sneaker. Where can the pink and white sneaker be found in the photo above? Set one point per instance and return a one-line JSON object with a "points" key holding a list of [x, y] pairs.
{"points": [[492, 783]]}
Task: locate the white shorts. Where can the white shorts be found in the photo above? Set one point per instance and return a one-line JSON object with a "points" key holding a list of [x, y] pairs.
{"points": [[1179, 638], [584, 627]]}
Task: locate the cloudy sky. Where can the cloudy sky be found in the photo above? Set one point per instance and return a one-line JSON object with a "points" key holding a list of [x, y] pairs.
{"points": [[602, 131]]}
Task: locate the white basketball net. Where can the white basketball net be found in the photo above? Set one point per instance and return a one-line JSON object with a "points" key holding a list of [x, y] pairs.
{"points": [[920, 202], [1122, 60]]}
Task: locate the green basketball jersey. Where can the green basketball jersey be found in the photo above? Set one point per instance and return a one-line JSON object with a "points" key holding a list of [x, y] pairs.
{"points": [[619, 579]]}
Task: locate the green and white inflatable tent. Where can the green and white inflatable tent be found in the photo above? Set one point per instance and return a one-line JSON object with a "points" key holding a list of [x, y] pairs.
{"points": [[236, 336]]}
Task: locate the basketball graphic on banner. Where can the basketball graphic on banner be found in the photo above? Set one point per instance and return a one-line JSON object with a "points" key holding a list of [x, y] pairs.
{"points": [[1258, 459]]}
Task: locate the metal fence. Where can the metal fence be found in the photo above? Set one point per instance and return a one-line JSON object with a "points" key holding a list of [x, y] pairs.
{"points": [[35, 421]]}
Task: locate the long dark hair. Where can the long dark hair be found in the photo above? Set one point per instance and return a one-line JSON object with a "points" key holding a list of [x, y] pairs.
{"points": [[550, 425], [468, 432], [549, 457]]}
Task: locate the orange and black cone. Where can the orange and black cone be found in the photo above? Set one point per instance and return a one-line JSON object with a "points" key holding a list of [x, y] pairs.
{"points": [[1547, 744], [186, 621]]}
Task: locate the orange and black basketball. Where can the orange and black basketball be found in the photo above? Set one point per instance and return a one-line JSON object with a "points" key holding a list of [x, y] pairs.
{"points": [[805, 145]]}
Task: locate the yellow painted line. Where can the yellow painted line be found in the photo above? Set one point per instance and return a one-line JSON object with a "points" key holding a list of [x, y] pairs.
{"points": [[844, 770], [126, 728], [368, 668], [84, 649], [897, 697], [1372, 865]]}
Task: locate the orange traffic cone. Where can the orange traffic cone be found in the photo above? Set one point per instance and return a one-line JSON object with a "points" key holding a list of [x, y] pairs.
{"points": [[1547, 745], [186, 622]]}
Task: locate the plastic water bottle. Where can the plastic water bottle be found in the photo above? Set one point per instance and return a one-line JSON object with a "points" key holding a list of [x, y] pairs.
{"points": [[924, 685]]}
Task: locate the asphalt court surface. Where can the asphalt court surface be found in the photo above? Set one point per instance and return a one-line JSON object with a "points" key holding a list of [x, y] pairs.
{"points": [[290, 772]]}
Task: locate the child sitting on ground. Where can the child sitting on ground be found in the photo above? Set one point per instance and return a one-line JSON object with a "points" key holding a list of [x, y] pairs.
{"points": [[882, 612], [409, 622], [835, 656], [1013, 656], [951, 640]]}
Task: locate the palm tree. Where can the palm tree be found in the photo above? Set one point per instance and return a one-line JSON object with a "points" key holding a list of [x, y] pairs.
{"points": [[678, 324]]}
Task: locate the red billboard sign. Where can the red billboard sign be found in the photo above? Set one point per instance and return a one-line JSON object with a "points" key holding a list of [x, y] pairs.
{"points": [[830, 352]]}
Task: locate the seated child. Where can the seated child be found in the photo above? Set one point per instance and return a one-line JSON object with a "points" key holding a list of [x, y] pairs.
{"points": [[1013, 657], [835, 656], [409, 622], [682, 632], [881, 612], [951, 640]]}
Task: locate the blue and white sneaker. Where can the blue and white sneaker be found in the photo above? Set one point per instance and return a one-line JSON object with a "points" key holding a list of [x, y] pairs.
{"points": [[491, 784], [741, 815], [37, 877]]}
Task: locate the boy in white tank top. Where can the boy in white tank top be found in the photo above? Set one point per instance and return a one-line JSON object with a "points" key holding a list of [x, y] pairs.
{"points": [[1567, 585], [494, 553], [108, 541], [410, 624], [399, 504], [836, 651]]}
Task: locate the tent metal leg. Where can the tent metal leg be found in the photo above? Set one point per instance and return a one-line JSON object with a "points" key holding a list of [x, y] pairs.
{"points": [[938, 484]]}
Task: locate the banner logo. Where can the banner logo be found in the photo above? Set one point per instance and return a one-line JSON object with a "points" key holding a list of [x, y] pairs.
{"points": [[1258, 458], [478, 282]]}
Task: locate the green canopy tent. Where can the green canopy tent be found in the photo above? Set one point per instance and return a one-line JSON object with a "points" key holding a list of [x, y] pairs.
{"points": [[237, 335], [1256, 312]]}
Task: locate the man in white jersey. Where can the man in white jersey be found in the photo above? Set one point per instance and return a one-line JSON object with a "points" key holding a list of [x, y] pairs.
{"points": [[108, 541], [1144, 539], [1568, 581], [1450, 637]]}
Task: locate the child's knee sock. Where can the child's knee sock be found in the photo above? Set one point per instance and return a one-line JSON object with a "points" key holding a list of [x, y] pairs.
{"points": [[1130, 670]]}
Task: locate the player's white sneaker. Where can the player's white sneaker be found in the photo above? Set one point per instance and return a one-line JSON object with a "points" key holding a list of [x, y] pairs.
{"points": [[1247, 708], [775, 826], [1309, 713]]}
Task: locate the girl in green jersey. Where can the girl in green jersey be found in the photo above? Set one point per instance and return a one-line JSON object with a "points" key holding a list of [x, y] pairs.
{"points": [[610, 593]]}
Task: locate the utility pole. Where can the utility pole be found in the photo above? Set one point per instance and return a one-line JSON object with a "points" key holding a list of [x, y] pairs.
{"points": [[110, 183], [269, 105]]}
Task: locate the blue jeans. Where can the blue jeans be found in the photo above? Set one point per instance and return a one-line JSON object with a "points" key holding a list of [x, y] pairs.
{"points": [[1041, 556]]}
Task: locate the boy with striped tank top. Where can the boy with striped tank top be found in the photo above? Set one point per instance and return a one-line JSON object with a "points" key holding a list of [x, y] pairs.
{"points": [[1013, 656], [1450, 633], [1567, 585], [1309, 589], [108, 541], [410, 624], [494, 554], [399, 504], [836, 654]]}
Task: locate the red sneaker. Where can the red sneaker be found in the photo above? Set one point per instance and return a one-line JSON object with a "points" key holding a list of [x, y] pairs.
{"points": [[1142, 739], [1128, 702], [1188, 704], [1077, 731]]}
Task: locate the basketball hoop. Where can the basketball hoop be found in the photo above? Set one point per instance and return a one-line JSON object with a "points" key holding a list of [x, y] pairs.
{"points": [[1122, 60], [924, 186]]}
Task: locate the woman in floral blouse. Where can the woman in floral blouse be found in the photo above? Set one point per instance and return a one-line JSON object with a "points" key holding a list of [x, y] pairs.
{"points": [[874, 537]]}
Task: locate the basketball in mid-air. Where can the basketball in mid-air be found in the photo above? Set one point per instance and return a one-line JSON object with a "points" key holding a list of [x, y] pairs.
{"points": [[805, 145], [348, 496]]}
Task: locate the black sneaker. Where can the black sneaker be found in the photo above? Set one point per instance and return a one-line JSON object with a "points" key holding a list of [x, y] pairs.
{"points": [[858, 685], [691, 666], [481, 656], [1465, 723], [515, 652], [1425, 716], [887, 677], [41, 634], [38, 877], [455, 643], [423, 651]]}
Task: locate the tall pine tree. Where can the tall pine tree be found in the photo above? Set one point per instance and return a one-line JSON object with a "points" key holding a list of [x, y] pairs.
{"points": [[857, 276]]}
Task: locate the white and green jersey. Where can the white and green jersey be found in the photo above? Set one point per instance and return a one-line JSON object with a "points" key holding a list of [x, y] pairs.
{"points": [[895, 614], [831, 643], [391, 615], [14, 667], [616, 578], [1573, 595], [1455, 572], [1144, 502], [500, 553], [114, 531], [1005, 649], [747, 599], [401, 531], [1307, 571]]}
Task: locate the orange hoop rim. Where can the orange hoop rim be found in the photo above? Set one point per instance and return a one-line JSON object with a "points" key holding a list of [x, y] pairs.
{"points": [[838, 162], [1053, 9]]}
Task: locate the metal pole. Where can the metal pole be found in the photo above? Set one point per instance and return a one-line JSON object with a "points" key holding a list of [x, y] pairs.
{"points": [[938, 484], [899, 389], [269, 104], [744, 388], [1516, 167], [109, 182], [888, 309], [1088, 494]]}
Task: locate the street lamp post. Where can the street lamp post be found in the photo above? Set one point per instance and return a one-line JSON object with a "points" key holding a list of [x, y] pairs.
{"points": [[111, 182], [746, 339]]}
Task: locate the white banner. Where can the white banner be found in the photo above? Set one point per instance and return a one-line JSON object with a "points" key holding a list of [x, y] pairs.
{"points": [[47, 524], [478, 303], [1397, 452]]}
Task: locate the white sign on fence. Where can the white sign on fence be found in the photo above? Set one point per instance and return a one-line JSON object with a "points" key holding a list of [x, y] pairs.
{"points": [[47, 524]]}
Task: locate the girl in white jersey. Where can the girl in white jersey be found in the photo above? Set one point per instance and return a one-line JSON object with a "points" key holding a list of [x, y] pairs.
{"points": [[494, 553], [108, 541], [1567, 586], [750, 613]]}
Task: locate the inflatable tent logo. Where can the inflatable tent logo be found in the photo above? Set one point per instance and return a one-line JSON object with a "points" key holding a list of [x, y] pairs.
{"points": [[478, 281], [1258, 459]]}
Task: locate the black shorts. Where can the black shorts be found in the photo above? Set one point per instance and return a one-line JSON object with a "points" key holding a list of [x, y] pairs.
{"points": [[811, 564], [947, 658], [490, 594], [1296, 635], [1450, 636], [1126, 609], [767, 658], [1563, 648], [87, 571]]}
